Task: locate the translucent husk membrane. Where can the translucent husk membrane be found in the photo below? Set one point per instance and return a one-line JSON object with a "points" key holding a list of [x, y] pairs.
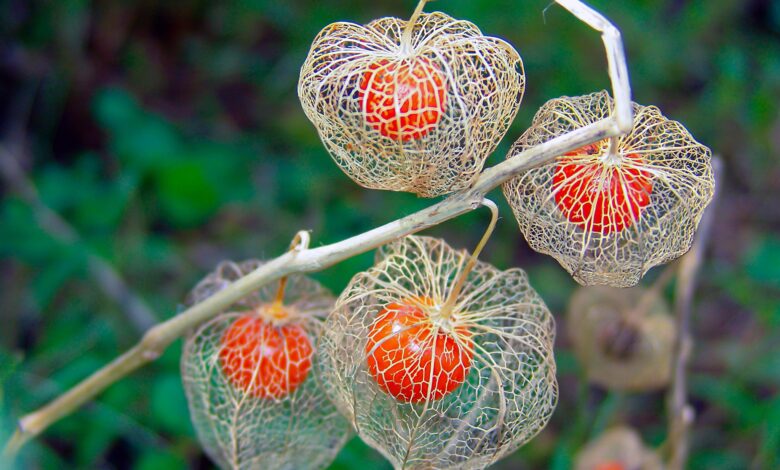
{"points": [[609, 218], [238, 429], [509, 392], [624, 338], [469, 85], [620, 446]]}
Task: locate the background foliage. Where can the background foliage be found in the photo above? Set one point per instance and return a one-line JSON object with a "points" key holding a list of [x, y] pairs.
{"points": [[168, 136]]}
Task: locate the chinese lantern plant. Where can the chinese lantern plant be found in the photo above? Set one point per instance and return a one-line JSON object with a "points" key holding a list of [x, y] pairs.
{"points": [[412, 105], [254, 399], [437, 360], [613, 209], [435, 369]]}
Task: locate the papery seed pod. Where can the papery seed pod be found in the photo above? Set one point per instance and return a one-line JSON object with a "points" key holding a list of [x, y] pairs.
{"points": [[624, 338], [431, 388], [419, 113], [609, 217], [620, 448], [249, 375]]}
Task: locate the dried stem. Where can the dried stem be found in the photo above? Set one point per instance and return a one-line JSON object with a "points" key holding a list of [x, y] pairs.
{"points": [[446, 309], [616, 59], [103, 273], [299, 242], [613, 154], [406, 39], [680, 412], [161, 336]]}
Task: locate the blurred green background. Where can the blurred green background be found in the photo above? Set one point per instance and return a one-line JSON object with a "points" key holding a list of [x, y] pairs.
{"points": [[156, 139]]}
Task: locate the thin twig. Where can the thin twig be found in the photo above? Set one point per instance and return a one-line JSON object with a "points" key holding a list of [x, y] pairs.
{"points": [[406, 38], [616, 59], [161, 336], [452, 297], [680, 413], [103, 273]]}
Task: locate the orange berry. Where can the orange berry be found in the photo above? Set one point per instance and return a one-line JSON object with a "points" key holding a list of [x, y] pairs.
{"points": [[598, 196], [412, 361], [264, 360], [403, 100], [611, 465]]}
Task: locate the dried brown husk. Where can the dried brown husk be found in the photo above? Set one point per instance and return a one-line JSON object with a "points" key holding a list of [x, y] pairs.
{"points": [[620, 445], [301, 430], [484, 82], [624, 338], [682, 186], [510, 391]]}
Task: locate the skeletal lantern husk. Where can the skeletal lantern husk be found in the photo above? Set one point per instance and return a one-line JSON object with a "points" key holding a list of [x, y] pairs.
{"points": [[241, 424], [624, 338], [419, 117], [609, 218], [506, 330], [618, 448]]}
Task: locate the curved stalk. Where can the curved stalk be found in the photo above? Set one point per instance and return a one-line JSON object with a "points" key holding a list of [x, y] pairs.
{"points": [[446, 309]]}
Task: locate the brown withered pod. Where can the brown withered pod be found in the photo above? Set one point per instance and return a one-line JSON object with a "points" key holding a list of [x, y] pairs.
{"points": [[620, 448], [624, 338]]}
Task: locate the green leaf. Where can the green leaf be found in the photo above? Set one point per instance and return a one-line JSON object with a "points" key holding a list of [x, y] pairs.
{"points": [[762, 263], [140, 139], [22, 237], [169, 406], [68, 265], [187, 196], [356, 455], [158, 459], [95, 437], [115, 108]]}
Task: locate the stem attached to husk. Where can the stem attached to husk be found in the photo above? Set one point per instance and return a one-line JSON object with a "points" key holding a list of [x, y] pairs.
{"points": [[300, 242], [446, 309], [406, 38], [613, 153]]}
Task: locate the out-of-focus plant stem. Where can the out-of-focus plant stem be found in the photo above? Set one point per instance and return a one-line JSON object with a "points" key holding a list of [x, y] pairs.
{"points": [[680, 412], [103, 273]]}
